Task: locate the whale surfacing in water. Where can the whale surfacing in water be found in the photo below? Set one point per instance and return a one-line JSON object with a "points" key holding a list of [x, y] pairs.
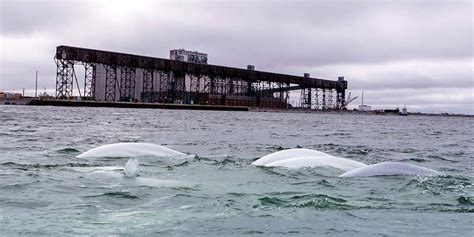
{"points": [[298, 158], [390, 168], [129, 150]]}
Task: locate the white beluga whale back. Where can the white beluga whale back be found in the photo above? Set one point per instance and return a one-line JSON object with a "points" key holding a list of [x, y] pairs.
{"points": [[129, 149], [390, 168], [298, 158], [286, 154]]}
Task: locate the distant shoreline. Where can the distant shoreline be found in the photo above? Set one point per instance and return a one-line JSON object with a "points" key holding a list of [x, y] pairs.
{"points": [[76, 103], [257, 109]]}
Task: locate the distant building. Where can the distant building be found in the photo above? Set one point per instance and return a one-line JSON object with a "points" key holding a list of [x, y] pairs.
{"points": [[9, 98], [10, 95], [365, 108], [188, 56]]}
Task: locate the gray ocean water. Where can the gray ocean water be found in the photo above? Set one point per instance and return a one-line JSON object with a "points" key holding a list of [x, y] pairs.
{"points": [[46, 190]]}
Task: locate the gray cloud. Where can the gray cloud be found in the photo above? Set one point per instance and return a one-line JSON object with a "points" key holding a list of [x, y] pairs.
{"points": [[396, 45], [23, 17]]}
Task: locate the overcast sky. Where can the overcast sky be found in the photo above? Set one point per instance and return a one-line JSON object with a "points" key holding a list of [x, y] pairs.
{"points": [[418, 53]]}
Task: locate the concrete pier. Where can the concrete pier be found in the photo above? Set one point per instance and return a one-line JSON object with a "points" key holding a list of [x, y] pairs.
{"points": [[111, 104]]}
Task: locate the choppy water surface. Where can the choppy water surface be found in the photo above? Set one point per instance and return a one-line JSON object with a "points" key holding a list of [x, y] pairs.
{"points": [[44, 189]]}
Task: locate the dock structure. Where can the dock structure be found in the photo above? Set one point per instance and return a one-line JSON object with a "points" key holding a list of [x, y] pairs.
{"points": [[113, 76]]}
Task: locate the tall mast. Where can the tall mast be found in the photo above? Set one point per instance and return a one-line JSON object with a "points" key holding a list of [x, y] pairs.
{"points": [[36, 85]]}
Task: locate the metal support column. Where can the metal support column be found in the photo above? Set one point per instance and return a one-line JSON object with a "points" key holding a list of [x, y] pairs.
{"points": [[64, 78], [164, 86], [306, 98], [148, 92], [89, 80], [220, 85], [329, 97], [341, 99], [110, 82], [230, 86], [195, 88], [127, 84], [178, 86], [315, 99], [249, 88], [206, 84]]}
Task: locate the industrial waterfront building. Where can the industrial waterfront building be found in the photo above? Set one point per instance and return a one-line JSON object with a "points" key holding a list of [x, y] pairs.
{"points": [[187, 78]]}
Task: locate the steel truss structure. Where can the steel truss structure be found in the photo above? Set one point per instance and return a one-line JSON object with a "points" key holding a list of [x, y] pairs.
{"points": [[148, 78], [127, 83], [110, 82], [64, 78], [89, 80], [137, 78]]}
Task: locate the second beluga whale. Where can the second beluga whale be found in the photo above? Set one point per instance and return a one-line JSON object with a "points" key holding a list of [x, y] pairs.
{"points": [[299, 158]]}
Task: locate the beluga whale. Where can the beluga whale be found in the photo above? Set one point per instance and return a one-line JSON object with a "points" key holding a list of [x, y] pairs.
{"points": [[390, 168], [300, 157], [130, 149]]}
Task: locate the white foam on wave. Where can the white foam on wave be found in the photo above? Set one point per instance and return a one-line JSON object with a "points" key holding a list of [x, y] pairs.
{"points": [[121, 176], [97, 168], [298, 158], [390, 168], [131, 168], [127, 149]]}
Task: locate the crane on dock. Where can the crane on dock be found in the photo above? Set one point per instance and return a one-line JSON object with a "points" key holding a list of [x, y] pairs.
{"points": [[348, 101]]}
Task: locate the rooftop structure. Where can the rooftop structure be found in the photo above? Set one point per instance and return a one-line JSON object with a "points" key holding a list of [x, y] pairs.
{"points": [[188, 56]]}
